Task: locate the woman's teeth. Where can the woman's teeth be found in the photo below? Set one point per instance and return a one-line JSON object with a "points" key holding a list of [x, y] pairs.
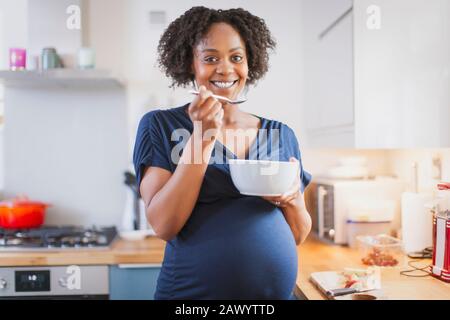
{"points": [[223, 85]]}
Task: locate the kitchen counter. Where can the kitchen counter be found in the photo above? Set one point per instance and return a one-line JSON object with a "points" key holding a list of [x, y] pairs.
{"points": [[148, 251], [315, 256]]}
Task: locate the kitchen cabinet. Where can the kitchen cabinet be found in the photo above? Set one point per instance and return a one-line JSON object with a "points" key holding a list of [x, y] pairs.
{"points": [[133, 281], [402, 74], [328, 72], [377, 85]]}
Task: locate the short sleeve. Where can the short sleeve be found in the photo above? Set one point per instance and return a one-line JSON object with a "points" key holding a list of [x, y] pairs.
{"points": [[305, 177], [150, 149]]}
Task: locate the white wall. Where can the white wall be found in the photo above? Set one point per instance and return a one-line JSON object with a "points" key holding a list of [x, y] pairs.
{"points": [[401, 160], [13, 16], [46, 21], [68, 147], [13, 28]]}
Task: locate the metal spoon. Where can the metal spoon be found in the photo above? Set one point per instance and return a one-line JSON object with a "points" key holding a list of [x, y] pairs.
{"points": [[221, 98]]}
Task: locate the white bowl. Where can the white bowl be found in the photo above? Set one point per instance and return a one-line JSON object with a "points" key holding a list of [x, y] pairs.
{"points": [[263, 177]]}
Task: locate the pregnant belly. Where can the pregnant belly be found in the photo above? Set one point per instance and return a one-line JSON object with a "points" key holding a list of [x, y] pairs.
{"points": [[236, 249]]}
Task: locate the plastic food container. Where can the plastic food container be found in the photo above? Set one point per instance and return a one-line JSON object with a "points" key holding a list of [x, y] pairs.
{"points": [[381, 250], [367, 228]]}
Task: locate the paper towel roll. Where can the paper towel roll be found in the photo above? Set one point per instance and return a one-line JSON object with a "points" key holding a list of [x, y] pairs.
{"points": [[417, 223]]}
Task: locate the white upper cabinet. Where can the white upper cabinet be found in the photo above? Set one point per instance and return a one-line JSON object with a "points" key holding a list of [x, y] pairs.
{"points": [[328, 72], [402, 88], [379, 76]]}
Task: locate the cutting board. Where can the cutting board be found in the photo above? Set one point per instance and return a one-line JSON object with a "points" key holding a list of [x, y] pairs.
{"points": [[328, 280]]}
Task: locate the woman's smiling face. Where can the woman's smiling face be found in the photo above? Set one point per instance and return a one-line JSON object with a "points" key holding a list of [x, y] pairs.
{"points": [[220, 61]]}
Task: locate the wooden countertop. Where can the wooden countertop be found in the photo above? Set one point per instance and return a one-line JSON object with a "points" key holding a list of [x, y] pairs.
{"points": [[148, 251], [315, 256]]}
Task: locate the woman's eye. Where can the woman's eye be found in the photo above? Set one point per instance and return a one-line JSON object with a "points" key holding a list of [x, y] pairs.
{"points": [[210, 59], [237, 58]]}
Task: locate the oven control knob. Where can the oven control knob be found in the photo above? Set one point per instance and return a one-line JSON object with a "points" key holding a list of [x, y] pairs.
{"points": [[3, 284]]}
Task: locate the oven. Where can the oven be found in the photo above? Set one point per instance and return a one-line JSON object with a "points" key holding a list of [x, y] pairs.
{"points": [[55, 282], [58, 281]]}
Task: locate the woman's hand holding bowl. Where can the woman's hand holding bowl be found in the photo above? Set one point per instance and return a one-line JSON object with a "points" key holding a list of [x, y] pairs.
{"points": [[289, 197]]}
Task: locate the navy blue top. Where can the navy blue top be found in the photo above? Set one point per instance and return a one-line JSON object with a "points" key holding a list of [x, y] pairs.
{"points": [[232, 246]]}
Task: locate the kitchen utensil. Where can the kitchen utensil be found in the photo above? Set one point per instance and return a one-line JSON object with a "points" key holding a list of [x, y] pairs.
{"points": [[221, 98], [263, 177], [22, 213], [130, 181], [344, 291]]}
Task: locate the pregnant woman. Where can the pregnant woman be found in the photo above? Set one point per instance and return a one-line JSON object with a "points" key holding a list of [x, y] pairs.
{"points": [[220, 244]]}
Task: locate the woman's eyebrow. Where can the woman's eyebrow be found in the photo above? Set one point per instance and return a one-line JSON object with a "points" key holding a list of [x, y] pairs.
{"points": [[215, 50]]}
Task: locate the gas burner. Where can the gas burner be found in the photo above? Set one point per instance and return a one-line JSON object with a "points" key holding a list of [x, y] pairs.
{"points": [[53, 243], [57, 238], [5, 241]]}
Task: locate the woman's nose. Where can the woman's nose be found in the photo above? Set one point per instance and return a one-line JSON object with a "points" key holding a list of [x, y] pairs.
{"points": [[225, 67]]}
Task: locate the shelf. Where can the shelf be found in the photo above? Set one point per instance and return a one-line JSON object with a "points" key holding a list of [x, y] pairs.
{"points": [[60, 78]]}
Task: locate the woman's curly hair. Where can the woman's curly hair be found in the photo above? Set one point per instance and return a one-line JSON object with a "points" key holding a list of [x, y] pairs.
{"points": [[177, 43]]}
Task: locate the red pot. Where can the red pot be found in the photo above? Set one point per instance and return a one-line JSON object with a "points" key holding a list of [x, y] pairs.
{"points": [[16, 214]]}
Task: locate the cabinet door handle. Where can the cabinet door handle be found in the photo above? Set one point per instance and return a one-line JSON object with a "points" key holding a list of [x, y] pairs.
{"points": [[335, 22]]}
